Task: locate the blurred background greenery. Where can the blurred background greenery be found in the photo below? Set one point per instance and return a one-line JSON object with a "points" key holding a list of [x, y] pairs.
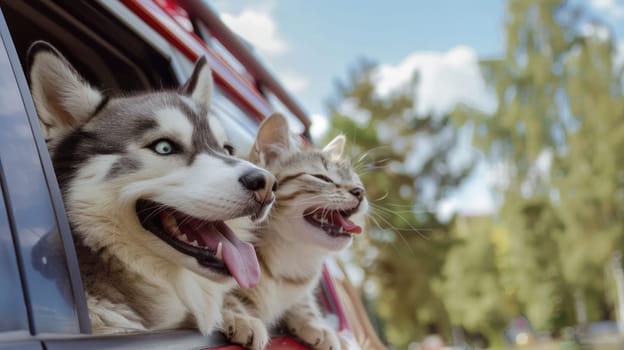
{"points": [[549, 253]]}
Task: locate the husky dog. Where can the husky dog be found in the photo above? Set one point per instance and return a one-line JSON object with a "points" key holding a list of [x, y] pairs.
{"points": [[148, 180], [320, 205]]}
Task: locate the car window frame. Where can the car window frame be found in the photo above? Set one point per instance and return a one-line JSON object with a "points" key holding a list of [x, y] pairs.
{"points": [[53, 196]]}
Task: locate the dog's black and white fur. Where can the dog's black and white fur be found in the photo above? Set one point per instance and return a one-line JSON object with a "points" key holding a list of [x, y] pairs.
{"points": [[148, 180]]}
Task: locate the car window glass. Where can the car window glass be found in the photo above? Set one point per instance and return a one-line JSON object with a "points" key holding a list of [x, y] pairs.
{"points": [[12, 301], [36, 233], [239, 125]]}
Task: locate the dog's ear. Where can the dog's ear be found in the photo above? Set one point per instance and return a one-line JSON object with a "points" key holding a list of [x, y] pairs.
{"points": [[335, 147], [272, 141], [200, 85], [64, 100]]}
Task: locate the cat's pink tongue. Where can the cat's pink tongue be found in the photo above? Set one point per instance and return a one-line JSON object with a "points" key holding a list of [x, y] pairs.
{"points": [[345, 223]]}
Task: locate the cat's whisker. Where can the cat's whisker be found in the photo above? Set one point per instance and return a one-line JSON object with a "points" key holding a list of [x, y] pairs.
{"points": [[398, 205], [370, 151], [379, 211], [398, 233], [156, 211], [384, 196], [393, 243], [393, 211]]}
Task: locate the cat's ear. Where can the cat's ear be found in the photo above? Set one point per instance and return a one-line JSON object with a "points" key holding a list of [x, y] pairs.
{"points": [[335, 147], [200, 84], [273, 140], [64, 100]]}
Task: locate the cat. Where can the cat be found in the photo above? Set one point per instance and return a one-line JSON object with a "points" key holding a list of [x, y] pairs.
{"points": [[320, 205]]}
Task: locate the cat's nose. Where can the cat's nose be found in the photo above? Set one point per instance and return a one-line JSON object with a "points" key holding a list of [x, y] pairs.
{"points": [[261, 183], [357, 192]]}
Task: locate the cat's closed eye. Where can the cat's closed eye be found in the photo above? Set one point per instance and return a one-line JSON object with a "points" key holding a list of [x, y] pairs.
{"points": [[323, 178]]}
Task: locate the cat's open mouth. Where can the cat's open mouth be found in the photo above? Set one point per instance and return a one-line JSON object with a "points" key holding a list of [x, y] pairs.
{"points": [[334, 222], [212, 243]]}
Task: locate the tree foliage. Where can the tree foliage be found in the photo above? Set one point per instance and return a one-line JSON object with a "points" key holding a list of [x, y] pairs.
{"points": [[558, 132], [407, 244], [556, 137]]}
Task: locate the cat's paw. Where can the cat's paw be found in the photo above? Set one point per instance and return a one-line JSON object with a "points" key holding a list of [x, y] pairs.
{"points": [[317, 336], [245, 330]]}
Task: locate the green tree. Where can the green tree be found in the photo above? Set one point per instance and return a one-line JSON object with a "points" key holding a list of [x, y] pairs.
{"points": [[407, 244], [534, 271], [558, 134], [589, 177], [471, 283]]}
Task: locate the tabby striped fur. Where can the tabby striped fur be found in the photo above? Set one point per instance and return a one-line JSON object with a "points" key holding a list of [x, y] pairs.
{"points": [[290, 249]]}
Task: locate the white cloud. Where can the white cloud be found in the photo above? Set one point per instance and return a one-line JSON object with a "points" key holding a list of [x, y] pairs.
{"points": [[349, 107], [474, 197], [608, 6], [258, 28], [592, 30], [319, 126], [618, 59], [293, 81], [445, 79], [255, 23]]}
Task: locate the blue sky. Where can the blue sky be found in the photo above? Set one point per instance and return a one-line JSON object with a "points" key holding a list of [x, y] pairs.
{"points": [[311, 44], [322, 39]]}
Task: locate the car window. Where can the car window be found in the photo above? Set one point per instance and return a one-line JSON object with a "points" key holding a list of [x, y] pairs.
{"points": [[51, 276], [39, 245], [238, 123], [12, 301]]}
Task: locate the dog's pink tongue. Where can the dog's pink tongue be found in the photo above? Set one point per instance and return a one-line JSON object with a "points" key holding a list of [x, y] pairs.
{"points": [[239, 257], [345, 223]]}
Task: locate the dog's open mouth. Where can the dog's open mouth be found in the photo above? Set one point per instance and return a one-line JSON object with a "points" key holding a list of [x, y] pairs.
{"points": [[212, 243], [335, 223]]}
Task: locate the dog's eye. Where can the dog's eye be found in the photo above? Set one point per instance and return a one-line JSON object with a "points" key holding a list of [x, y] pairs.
{"points": [[164, 147], [323, 178], [229, 149]]}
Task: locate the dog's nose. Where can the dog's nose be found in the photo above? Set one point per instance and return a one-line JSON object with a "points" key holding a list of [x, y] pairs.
{"points": [[261, 182], [357, 192]]}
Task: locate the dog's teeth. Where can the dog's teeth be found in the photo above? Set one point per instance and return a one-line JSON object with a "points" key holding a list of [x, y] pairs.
{"points": [[219, 253]]}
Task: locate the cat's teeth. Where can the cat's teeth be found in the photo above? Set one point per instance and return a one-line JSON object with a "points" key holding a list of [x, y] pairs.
{"points": [[341, 230], [195, 244], [171, 221], [219, 253], [184, 238], [172, 224]]}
